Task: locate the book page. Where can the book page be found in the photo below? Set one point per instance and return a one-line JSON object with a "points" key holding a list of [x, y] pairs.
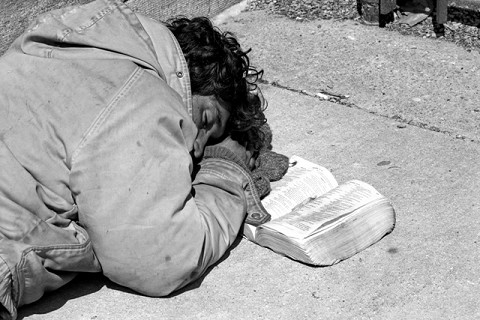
{"points": [[303, 181], [325, 209]]}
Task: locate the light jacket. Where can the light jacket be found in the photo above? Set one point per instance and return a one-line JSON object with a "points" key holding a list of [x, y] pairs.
{"points": [[95, 166]]}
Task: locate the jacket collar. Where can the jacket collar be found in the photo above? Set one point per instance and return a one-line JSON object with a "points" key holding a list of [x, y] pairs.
{"points": [[174, 68]]}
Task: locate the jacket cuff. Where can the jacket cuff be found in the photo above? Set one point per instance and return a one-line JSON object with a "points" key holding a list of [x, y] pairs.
{"points": [[256, 213], [223, 153]]}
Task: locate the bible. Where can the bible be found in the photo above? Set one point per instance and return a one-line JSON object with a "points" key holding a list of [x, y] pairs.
{"points": [[317, 221]]}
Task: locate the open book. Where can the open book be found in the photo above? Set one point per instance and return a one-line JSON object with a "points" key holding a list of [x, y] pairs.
{"points": [[317, 221]]}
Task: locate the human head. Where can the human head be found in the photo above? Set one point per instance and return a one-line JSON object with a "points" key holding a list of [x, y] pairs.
{"points": [[223, 82]]}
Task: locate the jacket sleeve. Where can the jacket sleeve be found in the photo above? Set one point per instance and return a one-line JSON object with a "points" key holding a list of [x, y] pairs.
{"points": [[152, 229]]}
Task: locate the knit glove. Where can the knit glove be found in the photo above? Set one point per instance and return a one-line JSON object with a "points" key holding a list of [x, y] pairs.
{"points": [[269, 165]]}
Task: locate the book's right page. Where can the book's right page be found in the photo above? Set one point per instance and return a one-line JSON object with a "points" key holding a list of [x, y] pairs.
{"points": [[325, 210]]}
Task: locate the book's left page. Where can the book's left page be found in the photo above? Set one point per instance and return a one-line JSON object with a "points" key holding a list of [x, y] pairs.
{"points": [[303, 181]]}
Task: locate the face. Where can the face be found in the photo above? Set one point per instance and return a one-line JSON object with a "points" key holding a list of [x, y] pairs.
{"points": [[210, 115]]}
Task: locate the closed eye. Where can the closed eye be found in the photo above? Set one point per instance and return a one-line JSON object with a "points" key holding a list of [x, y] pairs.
{"points": [[206, 120], [209, 120]]}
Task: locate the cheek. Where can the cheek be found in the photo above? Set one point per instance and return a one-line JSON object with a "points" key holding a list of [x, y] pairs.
{"points": [[217, 133], [197, 119]]}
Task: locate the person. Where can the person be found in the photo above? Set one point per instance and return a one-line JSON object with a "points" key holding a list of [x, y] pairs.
{"points": [[116, 153]]}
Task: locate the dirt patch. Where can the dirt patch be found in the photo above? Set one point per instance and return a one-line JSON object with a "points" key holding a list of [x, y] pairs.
{"points": [[461, 28]]}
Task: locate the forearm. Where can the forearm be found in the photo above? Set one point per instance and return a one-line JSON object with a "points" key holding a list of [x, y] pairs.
{"points": [[219, 193]]}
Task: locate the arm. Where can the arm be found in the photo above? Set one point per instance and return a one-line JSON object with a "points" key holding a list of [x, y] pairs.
{"points": [[131, 175], [219, 194]]}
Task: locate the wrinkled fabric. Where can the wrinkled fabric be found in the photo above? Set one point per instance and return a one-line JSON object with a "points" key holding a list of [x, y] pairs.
{"points": [[95, 166]]}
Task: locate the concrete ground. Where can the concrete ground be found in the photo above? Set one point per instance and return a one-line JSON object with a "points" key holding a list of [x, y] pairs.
{"points": [[410, 127]]}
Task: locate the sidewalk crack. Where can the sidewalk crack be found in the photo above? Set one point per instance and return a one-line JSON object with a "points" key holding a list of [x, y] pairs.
{"points": [[341, 99]]}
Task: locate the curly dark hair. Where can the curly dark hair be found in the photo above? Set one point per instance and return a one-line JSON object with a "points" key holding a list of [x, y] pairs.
{"points": [[218, 66]]}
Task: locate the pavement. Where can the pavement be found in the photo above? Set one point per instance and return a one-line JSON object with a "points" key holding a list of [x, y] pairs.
{"points": [[410, 127]]}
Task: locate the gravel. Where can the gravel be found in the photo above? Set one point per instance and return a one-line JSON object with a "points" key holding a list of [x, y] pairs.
{"points": [[463, 33]]}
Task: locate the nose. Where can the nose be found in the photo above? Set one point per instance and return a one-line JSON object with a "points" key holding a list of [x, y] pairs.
{"points": [[200, 143]]}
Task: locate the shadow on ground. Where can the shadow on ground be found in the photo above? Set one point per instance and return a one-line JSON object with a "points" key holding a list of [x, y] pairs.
{"points": [[85, 284]]}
